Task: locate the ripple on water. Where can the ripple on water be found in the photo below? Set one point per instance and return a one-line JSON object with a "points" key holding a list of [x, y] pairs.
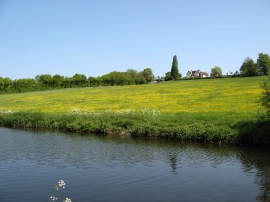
{"points": [[128, 169]]}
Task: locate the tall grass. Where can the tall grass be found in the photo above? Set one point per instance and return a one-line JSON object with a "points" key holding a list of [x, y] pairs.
{"points": [[140, 123]]}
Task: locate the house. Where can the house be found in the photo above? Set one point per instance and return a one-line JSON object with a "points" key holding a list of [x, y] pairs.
{"points": [[158, 80], [197, 74]]}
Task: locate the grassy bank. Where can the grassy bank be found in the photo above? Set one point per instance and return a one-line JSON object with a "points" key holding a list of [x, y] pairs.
{"points": [[182, 126], [221, 110]]}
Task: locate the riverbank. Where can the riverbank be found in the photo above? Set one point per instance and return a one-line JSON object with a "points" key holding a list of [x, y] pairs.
{"points": [[147, 123], [213, 110]]}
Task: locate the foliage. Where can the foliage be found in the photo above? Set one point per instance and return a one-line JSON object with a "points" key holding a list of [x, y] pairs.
{"points": [[115, 78], [249, 68], [47, 81], [130, 77], [22, 85], [265, 99], [168, 76], [44, 79], [254, 132], [236, 74], [94, 81], [263, 63], [5, 84], [57, 81], [216, 72], [148, 75], [145, 123], [79, 80], [174, 69]]}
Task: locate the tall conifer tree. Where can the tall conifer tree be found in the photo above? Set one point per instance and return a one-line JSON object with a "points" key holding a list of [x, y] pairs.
{"points": [[174, 69]]}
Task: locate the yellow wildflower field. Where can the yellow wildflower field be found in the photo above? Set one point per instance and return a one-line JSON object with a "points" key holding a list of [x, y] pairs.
{"points": [[227, 95]]}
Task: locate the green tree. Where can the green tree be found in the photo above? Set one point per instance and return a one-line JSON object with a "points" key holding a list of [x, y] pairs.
{"points": [[57, 81], [131, 74], [216, 72], [236, 73], [263, 63], [109, 79], [148, 75], [174, 69], [67, 82], [94, 82], [249, 68], [168, 76], [5, 85], [140, 78], [45, 80], [122, 78], [24, 85], [79, 80]]}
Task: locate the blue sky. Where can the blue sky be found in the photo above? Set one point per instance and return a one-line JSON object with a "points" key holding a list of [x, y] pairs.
{"points": [[95, 37]]}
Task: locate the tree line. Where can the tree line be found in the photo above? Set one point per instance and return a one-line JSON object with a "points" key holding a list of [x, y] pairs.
{"points": [[47, 81], [130, 77], [250, 68]]}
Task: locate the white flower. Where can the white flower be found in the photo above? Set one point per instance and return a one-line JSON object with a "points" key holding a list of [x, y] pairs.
{"points": [[67, 200], [53, 198], [7, 112], [62, 184]]}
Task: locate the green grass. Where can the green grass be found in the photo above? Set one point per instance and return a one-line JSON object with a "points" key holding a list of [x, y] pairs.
{"points": [[212, 110], [238, 95]]}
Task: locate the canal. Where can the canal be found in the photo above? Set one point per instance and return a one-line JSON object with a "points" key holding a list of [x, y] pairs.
{"points": [[118, 169]]}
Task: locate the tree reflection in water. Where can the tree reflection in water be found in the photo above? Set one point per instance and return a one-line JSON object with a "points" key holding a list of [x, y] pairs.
{"points": [[258, 159], [251, 158], [136, 157]]}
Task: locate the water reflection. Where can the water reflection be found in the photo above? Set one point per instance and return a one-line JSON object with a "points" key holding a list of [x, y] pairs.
{"points": [[258, 160], [135, 157], [173, 160]]}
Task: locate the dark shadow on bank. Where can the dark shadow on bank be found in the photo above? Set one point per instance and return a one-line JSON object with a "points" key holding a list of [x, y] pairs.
{"points": [[254, 132]]}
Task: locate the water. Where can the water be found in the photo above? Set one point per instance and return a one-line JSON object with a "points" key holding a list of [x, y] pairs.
{"points": [[126, 169]]}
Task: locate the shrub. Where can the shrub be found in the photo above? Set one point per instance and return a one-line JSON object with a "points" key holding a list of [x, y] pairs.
{"points": [[265, 99]]}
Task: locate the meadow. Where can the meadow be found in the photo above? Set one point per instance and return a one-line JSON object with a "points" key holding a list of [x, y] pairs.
{"points": [[203, 109]]}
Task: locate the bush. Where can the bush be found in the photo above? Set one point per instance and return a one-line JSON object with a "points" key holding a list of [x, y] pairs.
{"points": [[265, 99]]}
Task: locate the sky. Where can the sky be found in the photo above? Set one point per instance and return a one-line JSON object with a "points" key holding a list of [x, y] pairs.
{"points": [[96, 37]]}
